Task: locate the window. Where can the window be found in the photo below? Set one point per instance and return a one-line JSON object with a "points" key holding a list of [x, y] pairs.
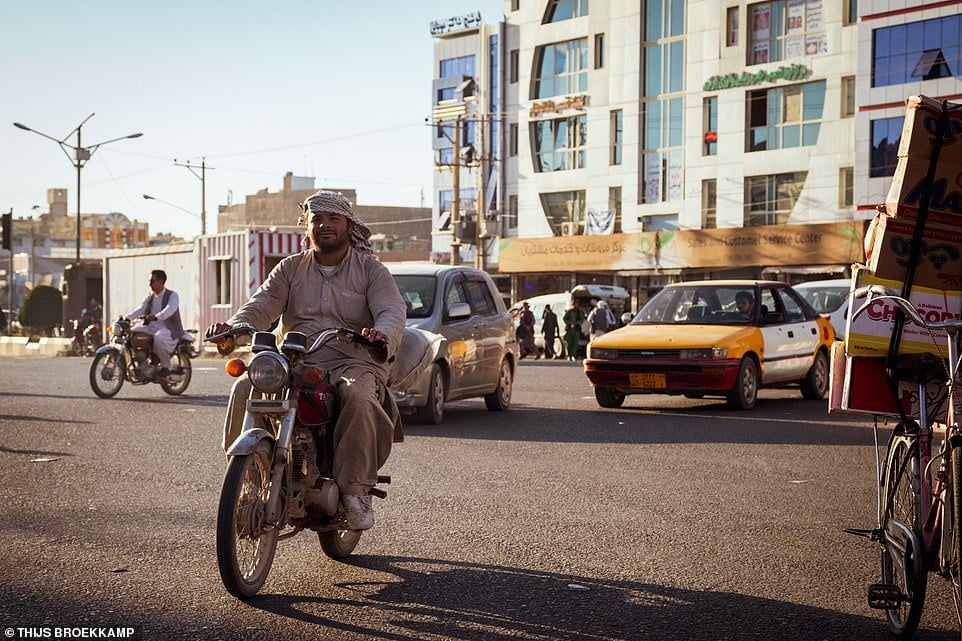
{"points": [[849, 12], [785, 29], [559, 10], [463, 66], [731, 33], [710, 126], [709, 203], [664, 19], [513, 139], [447, 93], [515, 5], [665, 68], [221, 280], [769, 200], [885, 134], [563, 207], [509, 221], [848, 96], [917, 51], [614, 205], [454, 296], [559, 144], [599, 50], [616, 136], [785, 117], [663, 160], [561, 68], [446, 203], [480, 296], [446, 156], [513, 66], [846, 186]]}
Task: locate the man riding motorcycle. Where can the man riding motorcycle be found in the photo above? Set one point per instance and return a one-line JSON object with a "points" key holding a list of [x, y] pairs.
{"points": [[336, 283]]}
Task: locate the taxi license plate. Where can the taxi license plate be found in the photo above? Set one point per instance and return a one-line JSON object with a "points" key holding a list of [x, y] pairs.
{"points": [[648, 381]]}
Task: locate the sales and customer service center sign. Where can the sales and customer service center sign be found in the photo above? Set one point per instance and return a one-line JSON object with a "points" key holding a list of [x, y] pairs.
{"points": [[773, 245]]}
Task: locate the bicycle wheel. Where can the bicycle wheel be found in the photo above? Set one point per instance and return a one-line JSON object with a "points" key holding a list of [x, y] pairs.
{"points": [[903, 562], [954, 520]]}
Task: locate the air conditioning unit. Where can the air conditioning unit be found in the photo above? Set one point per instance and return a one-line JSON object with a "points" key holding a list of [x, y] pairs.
{"points": [[569, 229]]}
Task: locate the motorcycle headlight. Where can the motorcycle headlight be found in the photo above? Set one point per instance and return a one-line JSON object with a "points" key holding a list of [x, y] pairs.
{"points": [[268, 372]]}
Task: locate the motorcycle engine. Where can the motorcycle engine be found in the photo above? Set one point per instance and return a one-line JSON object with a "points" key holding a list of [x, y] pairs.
{"points": [[312, 494]]}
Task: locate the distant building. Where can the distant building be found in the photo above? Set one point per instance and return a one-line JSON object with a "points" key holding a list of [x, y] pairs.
{"points": [[399, 233]]}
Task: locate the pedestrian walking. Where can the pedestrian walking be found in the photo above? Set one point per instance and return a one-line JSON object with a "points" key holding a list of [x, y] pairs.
{"points": [[549, 328], [526, 331], [573, 318], [601, 320]]}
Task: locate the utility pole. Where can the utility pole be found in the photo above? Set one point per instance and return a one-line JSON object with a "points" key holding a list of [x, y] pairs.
{"points": [[480, 237], [456, 197], [202, 176], [8, 229]]}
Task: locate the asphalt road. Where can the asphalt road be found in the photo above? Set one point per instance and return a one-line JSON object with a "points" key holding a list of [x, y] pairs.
{"points": [[666, 519]]}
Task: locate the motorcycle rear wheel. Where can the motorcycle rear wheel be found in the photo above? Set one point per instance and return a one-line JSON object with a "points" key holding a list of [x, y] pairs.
{"points": [[176, 384], [245, 544], [338, 544], [107, 373]]}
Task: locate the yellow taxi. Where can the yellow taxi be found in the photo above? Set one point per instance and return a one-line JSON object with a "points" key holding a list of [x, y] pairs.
{"points": [[714, 338]]}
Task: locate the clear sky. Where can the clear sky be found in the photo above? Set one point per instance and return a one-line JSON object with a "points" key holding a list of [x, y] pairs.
{"points": [[335, 89]]}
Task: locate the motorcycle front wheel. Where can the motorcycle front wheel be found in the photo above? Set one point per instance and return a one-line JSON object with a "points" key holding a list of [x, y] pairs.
{"points": [[245, 542], [179, 378], [338, 544], [107, 373]]}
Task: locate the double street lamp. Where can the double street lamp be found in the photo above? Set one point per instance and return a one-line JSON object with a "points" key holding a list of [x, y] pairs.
{"points": [[80, 157]]}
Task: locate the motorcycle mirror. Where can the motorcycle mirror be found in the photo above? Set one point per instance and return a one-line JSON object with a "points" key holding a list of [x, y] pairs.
{"points": [[226, 346]]}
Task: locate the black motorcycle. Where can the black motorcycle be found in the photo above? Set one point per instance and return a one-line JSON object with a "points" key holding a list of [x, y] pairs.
{"points": [[86, 341], [129, 356]]}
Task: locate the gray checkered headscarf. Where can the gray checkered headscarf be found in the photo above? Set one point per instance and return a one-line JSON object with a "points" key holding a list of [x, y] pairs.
{"points": [[331, 202]]}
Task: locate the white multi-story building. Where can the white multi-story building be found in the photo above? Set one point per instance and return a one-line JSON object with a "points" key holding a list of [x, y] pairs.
{"points": [[656, 140]]}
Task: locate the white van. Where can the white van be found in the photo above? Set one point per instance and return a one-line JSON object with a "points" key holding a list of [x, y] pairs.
{"points": [[616, 297]]}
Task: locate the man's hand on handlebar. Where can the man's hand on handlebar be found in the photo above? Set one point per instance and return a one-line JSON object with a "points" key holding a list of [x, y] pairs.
{"points": [[227, 337]]}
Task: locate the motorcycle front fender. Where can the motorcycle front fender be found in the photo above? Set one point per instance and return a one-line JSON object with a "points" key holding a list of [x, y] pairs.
{"points": [[108, 348], [248, 440]]}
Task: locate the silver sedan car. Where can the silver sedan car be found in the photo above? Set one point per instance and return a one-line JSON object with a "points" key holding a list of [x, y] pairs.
{"points": [[479, 354]]}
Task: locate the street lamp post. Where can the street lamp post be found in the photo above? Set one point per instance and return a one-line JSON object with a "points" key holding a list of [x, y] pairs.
{"points": [[170, 204], [81, 156]]}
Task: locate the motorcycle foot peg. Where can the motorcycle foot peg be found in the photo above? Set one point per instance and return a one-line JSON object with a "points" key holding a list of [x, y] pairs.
{"points": [[381, 494], [884, 596], [383, 479]]}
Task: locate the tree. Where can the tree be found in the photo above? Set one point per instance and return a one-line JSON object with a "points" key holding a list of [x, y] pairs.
{"points": [[42, 310]]}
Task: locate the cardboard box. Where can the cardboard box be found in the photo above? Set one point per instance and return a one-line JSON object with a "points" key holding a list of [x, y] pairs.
{"points": [[865, 389], [918, 131], [939, 263], [869, 333], [908, 186]]}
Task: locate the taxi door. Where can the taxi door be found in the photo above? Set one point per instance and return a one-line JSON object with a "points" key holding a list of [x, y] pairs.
{"points": [[790, 338]]}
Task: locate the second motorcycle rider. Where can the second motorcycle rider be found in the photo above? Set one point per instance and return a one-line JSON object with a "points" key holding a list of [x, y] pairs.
{"points": [[338, 282]]}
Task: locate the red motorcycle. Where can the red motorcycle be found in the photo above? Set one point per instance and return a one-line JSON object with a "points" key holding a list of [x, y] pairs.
{"points": [[279, 479]]}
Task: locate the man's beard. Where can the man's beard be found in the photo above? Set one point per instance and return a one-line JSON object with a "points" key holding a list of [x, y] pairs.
{"points": [[328, 243]]}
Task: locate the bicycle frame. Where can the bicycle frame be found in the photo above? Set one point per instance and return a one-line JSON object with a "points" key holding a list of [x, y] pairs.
{"points": [[933, 546]]}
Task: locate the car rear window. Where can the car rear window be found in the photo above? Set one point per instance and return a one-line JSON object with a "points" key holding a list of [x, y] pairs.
{"points": [[418, 294]]}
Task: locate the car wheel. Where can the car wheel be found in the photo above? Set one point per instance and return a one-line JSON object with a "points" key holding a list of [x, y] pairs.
{"points": [[433, 411], [815, 385], [608, 397], [500, 398], [744, 394]]}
